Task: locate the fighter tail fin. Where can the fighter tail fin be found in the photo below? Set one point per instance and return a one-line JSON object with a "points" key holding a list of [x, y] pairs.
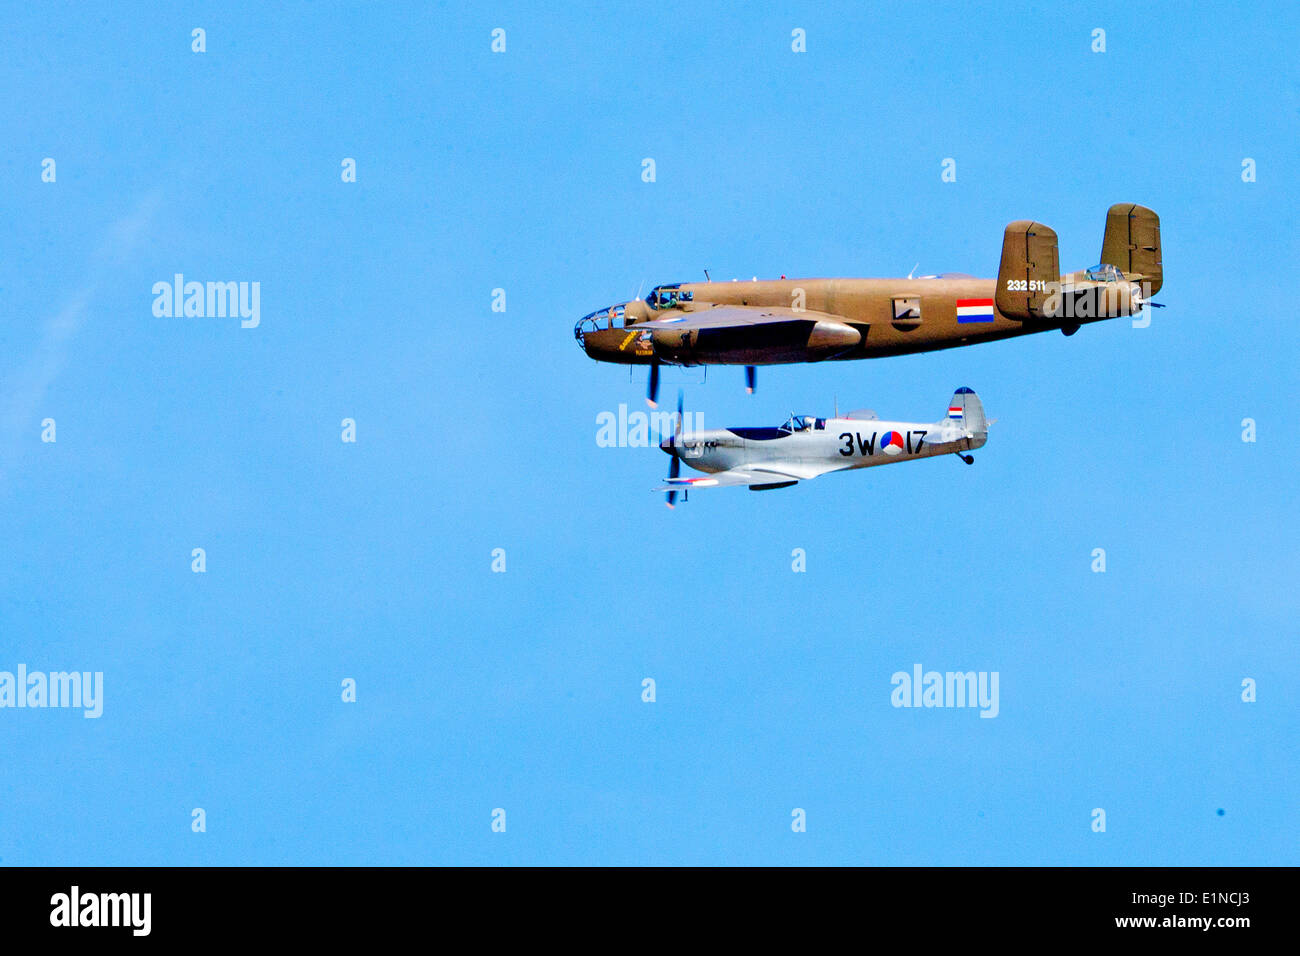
{"points": [[967, 410]]}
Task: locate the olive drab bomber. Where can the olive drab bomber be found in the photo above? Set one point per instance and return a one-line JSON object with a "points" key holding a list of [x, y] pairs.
{"points": [[781, 321]]}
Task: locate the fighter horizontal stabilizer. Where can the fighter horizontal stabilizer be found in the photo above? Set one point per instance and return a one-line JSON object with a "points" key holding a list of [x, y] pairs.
{"points": [[944, 435]]}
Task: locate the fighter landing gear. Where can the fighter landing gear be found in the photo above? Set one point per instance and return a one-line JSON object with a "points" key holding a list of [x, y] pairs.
{"points": [[969, 459]]}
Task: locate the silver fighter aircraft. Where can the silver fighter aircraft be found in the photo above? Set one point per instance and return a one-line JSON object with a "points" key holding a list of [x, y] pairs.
{"points": [[805, 447]]}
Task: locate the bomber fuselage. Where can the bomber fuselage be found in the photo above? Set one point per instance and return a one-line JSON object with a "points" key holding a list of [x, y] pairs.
{"points": [[831, 319]]}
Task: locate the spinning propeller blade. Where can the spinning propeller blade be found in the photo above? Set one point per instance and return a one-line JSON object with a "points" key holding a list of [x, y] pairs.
{"points": [[675, 466], [652, 392]]}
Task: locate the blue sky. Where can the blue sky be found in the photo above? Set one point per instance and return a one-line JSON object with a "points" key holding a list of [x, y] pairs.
{"points": [[476, 430]]}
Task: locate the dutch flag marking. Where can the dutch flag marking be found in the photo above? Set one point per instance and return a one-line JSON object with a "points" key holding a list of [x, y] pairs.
{"points": [[974, 310]]}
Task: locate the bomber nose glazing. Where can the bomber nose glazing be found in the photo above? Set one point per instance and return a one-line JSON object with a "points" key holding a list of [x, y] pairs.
{"points": [[582, 326], [611, 316]]}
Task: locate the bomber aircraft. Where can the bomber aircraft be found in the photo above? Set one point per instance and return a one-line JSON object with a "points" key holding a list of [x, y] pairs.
{"points": [[776, 322], [806, 447]]}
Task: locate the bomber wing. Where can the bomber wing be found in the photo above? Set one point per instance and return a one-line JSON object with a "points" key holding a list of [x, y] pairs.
{"points": [[732, 316]]}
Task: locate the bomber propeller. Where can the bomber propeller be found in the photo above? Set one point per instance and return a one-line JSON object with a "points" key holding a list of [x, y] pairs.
{"points": [[652, 390]]}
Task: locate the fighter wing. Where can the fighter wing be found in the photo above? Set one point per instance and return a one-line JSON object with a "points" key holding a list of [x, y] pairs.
{"points": [[719, 479], [802, 471], [767, 473], [731, 316]]}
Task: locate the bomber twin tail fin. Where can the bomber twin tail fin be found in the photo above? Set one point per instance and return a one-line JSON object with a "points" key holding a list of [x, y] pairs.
{"points": [[1132, 244], [1029, 272]]}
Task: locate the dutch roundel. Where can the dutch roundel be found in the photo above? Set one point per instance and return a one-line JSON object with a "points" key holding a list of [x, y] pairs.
{"points": [[891, 443]]}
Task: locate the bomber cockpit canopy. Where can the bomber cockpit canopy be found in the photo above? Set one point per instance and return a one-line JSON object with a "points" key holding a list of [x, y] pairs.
{"points": [[1105, 273], [668, 296], [802, 423]]}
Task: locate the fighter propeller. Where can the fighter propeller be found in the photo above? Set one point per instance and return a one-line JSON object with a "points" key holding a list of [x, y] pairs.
{"points": [[675, 465]]}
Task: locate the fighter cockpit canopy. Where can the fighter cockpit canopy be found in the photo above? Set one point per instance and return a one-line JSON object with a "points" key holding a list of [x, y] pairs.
{"points": [[801, 423]]}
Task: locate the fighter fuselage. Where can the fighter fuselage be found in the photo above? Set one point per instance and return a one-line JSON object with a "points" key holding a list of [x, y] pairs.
{"points": [[842, 442]]}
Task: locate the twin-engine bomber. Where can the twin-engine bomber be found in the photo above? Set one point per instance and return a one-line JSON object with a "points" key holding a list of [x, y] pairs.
{"points": [[781, 321], [806, 447]]}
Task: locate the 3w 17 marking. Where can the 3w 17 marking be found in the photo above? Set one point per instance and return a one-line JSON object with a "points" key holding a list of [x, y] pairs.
{"points": [[854, 442]]}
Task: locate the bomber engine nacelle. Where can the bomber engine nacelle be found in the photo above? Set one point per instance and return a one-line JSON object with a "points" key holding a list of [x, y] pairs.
{"points": [[672, 345], [1030, 271]]}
